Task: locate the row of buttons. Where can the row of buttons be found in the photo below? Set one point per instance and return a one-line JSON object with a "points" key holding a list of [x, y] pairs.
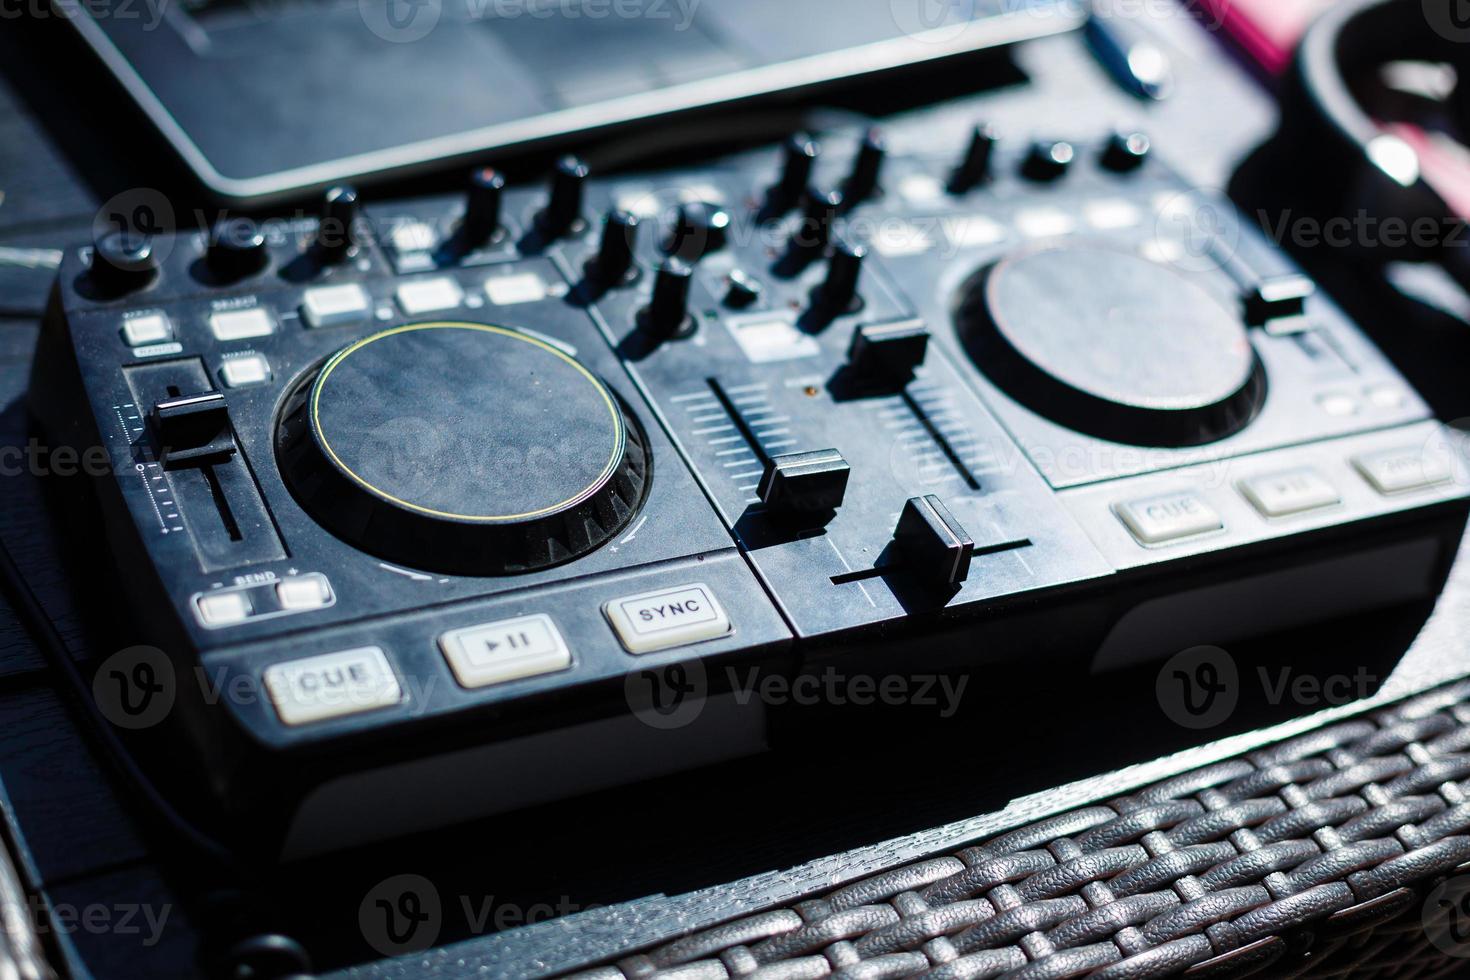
{"points": [[228, 607], [345, 683], [332, 306], [1171, 517]]}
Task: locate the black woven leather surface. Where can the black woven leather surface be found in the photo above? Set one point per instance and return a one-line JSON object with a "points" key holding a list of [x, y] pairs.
{"points": [[1336, 854]]}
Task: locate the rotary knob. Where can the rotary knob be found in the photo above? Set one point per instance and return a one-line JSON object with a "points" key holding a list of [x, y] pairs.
{"points": [[237, 250], [1110, 344], [122, 262], [463, 448]]}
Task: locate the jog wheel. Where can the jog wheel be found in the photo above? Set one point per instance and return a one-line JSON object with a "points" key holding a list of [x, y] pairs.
{"points": [[1112, 345], [463, 448]]}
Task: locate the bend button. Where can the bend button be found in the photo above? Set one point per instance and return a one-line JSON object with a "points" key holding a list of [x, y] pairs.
{"points": [[669, 618], [333, 685], [1168, 517]]}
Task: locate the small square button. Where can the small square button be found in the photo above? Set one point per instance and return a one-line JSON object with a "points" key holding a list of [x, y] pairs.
{"points": [[331, 686], [331, 306], [242, 324], [669, 618], [429, 295], [242, 372], [303, 592], [223, 608], [524, 287], [508, 650], [151, 328], [1288, 493], [1401, 470], [1168, 517]]}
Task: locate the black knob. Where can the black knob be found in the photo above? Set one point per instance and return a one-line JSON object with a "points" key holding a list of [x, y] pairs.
{"points": [[568, 186], [979, 159], [335, 234], [867, 168], [888, 351], [237, 249], [838, 294], [667, 314], [482, 206], [1126, 152], [469, 488], [741, 292], [805, 487], [1049, 160], [702, 228], [818, 214], [123, 261], [931, 543], [798, 158], [616, 250]]}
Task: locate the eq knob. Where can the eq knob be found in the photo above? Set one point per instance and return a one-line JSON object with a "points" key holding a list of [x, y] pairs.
{"points": [[667, 314], [700, 229], [838, 293], [1126, 152], [818, 215], [336, 233], [979, 160], [464, 449], [1049, 160], [798, 159], [237, 250], [616, 249], [564, 206], [867, 168], [123, 261], [483, 203]]}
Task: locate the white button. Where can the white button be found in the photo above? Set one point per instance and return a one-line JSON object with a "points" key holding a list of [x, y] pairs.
{"points": [[1387, 396], [412, 236], [525, 287], [920, 188], [333, 685], [1293, 492], [1111, 214], [429, 295], [1339, 404], [1400, 470], [1045, 223], [973, 231], [242, 324], [669, 618], [241, 372], [1168, 517], [223, 608], [331, 306], [301, 592], [505, 651], [152, 328]]}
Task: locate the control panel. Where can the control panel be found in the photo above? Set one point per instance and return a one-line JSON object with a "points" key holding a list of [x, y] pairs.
{"points": [[456, 476]]}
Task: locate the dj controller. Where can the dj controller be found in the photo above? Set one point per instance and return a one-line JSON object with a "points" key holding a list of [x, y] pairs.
{"points": [[455, 505]]}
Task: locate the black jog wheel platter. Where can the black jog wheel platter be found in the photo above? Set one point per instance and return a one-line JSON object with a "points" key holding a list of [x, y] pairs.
{"points": [[463, 447]]}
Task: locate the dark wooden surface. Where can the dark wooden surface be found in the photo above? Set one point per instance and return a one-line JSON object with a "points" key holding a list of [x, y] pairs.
{"points": [[660, 858]]}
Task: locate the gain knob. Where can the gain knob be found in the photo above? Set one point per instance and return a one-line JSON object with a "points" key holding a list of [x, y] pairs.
{"points": [[977, 166], [838, 293], [1049, 160], [701, 228], [427, 445], [237, 250], [122, 262], [818, 214], [336, 232], [615, 252], [798, 159], [564, 207], [1126, 152], [667, 314], [483, 204], [867, 168]]}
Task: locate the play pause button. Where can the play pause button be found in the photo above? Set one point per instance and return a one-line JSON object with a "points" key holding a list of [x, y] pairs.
{"points": [[494, 653]]}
